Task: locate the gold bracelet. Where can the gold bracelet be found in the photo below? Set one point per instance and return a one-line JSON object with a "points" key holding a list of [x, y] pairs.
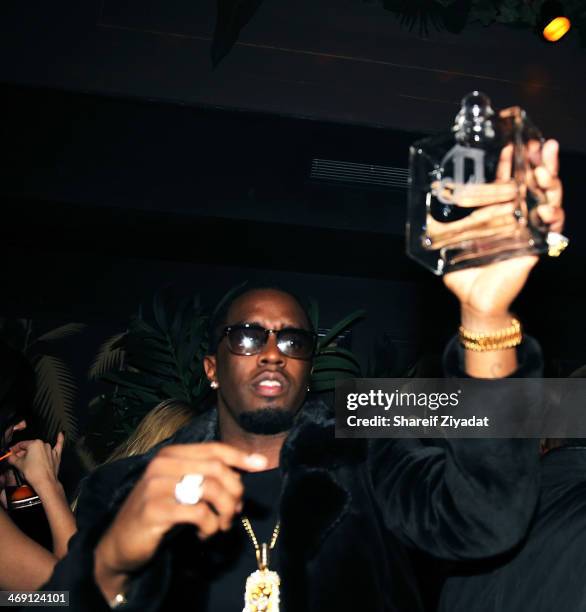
{"points": [[507, 337]]}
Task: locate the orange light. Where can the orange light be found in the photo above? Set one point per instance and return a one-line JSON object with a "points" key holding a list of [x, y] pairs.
{"points": [[556, 29]]}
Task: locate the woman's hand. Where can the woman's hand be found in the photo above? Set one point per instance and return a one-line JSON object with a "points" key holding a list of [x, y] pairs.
{"points": [[38, 461]]}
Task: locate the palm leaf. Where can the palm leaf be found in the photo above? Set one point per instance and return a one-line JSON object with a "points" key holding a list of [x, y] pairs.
{"points": [[339, 352], [70, 329], [54, 397], [133, 380], [136, 344], [146, 399], [340, 327], [313, 310], [139, 325], [153, 366], [110, 356], [159, 311], [334, 362], [332, 375]]}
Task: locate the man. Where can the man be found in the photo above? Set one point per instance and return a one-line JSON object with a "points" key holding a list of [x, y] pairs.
{"points": [[328, 524], [546, 572]]}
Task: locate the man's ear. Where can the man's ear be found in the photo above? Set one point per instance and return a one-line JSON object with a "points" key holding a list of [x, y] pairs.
{"points": [[209, 366]]}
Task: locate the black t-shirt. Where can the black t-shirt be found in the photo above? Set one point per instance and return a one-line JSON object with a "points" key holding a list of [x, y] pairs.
{"points": [[222, 564]]}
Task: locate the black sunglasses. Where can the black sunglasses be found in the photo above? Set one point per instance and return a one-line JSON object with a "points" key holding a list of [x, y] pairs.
{"points": [[250, 338]]}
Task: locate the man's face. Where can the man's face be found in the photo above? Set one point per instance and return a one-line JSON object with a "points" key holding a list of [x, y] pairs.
{"points": [[261, 392]]}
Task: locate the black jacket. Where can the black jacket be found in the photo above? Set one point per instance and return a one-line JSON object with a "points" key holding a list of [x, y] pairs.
{"points": [[547, 572], [353, 513]]}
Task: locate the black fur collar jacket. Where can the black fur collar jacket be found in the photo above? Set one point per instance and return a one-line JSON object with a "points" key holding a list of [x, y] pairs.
{"points": [[355, 514]]}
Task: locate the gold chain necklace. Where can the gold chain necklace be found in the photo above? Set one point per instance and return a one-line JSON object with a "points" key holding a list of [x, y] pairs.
{"points": [[262, 586]]}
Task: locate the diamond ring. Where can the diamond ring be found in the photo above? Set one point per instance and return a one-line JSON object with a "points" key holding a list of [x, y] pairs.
{"points": [[189, 489]]}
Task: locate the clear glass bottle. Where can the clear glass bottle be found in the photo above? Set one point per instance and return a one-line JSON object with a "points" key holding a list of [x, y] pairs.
{"points": [[472, 195]]}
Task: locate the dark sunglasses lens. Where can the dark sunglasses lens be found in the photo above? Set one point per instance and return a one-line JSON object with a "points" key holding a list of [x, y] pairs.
{"points": [[296, 343], [246, 340]]}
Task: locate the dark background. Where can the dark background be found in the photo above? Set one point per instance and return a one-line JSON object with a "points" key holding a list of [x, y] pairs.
{"points": [[130, 165]]}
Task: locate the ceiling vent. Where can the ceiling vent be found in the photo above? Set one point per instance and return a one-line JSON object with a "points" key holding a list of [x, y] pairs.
{"points": [[331, 171]]}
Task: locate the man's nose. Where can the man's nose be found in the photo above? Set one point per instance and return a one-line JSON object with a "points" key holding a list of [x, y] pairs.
{"points": [[271, 352]]}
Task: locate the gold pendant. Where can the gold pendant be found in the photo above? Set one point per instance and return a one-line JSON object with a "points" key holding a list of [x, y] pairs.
{"points": [[262, 591]]}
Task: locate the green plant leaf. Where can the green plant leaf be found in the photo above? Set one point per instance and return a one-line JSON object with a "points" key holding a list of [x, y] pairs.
{"points": [[340, 327], [325, 385], [135, 343], [175, 391], [509, 12], [313, 309], [149, 364], [339, 352], [110, 356], [332, 374], [484, 11], [144, 398], [55, 395], [140, 326], [132, 380], [70, 329], [159, 312], [334, 361]]}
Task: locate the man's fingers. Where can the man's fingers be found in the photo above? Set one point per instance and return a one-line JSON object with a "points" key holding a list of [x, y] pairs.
{"points": [[221, 501], [175, 469], [159, 490], [209, 524], [551, 185], [550, 157], [554, 216], [534, 152], [227, 454], [471, 195], [200, 515]]}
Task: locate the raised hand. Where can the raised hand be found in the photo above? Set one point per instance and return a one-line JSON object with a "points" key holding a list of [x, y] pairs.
{"points": [[151, 509], [38, 461], [487, 292]]}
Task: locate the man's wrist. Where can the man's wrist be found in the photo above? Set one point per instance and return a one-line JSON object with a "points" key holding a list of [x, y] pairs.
{"points": [[110, 582], [493, 355], [479, 321]]}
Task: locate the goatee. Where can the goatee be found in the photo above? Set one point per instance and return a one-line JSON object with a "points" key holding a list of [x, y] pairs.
{"points": [[267, 421]]}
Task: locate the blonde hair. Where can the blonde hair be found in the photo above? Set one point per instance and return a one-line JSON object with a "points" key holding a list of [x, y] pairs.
{"points": [[157, 425]]}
